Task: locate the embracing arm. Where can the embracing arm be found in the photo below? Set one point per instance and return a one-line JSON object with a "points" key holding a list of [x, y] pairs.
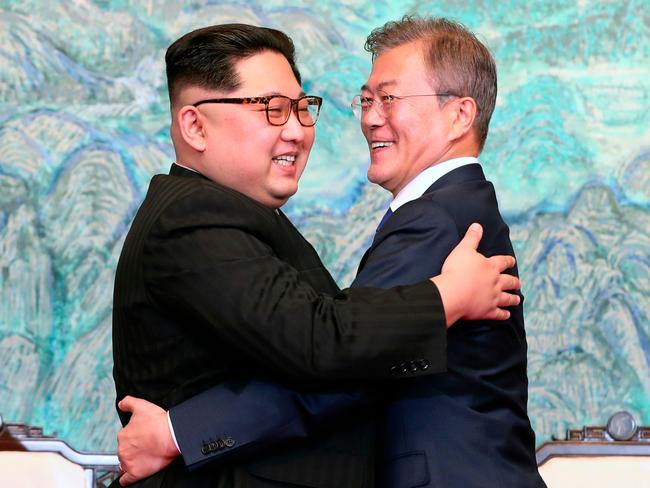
{"points": [[231, 421], [288, 414], [250, 282], [470, 283]]}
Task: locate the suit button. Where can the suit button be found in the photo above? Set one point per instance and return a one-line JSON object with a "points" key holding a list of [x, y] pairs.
{"points": [[212, 446], [229, 442], [403, 368], [394, 370], [413, 368], [220, 444], [205, 449], [424, 364]]}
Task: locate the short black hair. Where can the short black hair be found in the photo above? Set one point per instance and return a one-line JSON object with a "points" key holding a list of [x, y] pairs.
{"points": [[206, 57]]}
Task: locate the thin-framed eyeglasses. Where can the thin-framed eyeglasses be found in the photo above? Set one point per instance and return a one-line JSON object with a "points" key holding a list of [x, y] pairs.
{"points": [[361, 104], [278, 107]]}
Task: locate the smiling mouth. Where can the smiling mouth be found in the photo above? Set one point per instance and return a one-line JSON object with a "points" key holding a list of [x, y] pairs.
{"points": [[284, 160], [380, 144]]}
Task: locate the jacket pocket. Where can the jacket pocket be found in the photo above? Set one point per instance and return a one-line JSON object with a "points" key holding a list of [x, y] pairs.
{"points": [[408, 470], [327, 470]]}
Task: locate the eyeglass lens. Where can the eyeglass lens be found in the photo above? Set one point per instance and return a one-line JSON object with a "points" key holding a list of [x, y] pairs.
{"points": [[279, 109], [361, 105]]}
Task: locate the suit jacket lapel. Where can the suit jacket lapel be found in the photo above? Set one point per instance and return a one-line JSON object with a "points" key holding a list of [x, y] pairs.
{"points": [[463, 174], [364, 258]]}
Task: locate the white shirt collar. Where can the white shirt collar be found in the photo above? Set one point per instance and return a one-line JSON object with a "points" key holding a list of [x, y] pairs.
{"points": [[417, 186]]}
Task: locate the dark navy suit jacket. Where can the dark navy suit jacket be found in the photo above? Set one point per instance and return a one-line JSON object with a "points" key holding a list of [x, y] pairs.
{"points": [[462, 429], [467, 427]]}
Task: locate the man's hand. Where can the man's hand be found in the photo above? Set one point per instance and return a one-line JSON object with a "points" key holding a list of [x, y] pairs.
{"points": [[472, 286], [145, 445]]}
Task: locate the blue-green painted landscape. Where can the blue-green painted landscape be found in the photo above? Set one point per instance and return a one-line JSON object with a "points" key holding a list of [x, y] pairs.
{"points": [[84, 125]]}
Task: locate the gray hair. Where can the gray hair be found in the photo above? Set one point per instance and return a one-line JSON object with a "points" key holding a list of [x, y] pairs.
{"points": [[458, 61]]}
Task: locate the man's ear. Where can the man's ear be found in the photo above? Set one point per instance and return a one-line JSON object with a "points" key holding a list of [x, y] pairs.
{"points": [[190, 124], [464, 115]]}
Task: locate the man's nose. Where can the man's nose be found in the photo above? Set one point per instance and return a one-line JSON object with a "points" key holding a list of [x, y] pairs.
{"points": [[373, 117], [293, 129]]}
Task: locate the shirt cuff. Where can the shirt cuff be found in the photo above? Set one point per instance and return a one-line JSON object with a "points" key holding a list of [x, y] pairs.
{"points": [[171, 431]]}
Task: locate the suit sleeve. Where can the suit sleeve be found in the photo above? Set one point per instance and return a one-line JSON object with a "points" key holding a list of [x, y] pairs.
{"points": [[214, 426], [221, 275]]}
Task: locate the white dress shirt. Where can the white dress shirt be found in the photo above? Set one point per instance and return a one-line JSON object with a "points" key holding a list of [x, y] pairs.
{"points": [[415, 188]]}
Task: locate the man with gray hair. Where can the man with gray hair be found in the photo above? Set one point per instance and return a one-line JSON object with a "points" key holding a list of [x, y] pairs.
{"points": [[425, 111]]}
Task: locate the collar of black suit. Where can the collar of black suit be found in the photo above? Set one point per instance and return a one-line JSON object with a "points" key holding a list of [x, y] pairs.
{"points": [[463, 174], [177, 170]]}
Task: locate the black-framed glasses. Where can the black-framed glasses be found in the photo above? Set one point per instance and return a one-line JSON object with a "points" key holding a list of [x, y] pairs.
{"points": [[278, 107], [361, 104]]}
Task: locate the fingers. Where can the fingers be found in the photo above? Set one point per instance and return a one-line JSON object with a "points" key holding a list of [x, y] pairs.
{"points": [[500, 314], [508, 300], [131, 404], [138, 406], [127, 404], [502, 262], [508, 282], [126, 479], [472, 236], [121, 437]]}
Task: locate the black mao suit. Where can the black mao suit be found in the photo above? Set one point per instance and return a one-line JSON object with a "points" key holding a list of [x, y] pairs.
{"points": [[213, 288]]}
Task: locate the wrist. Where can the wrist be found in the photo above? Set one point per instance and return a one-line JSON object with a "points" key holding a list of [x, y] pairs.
{"points": [[449, 297], [170, 445]]}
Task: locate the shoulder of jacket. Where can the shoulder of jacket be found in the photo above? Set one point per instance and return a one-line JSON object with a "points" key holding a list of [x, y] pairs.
{"points": [[419, 215], [200, 202], [202, 189]]}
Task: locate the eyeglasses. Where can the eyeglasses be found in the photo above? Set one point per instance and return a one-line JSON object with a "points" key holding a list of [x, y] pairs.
{"points": [[278, 107], [361, 105]]}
